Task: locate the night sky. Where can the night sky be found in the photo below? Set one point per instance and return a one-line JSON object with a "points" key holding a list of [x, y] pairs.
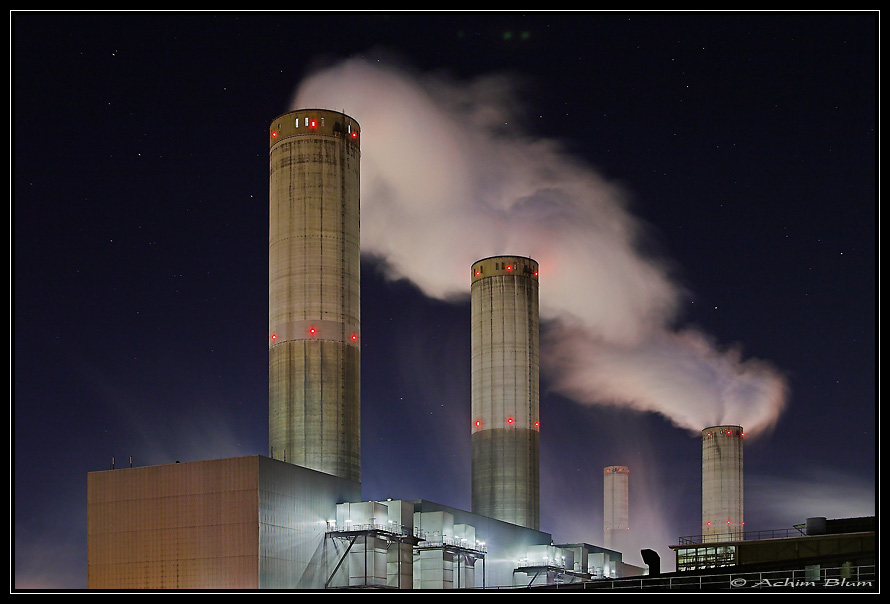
{"points": [[698, 184]]}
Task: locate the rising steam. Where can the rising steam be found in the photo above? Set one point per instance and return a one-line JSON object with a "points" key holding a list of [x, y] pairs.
{"points": [[449, 177]]}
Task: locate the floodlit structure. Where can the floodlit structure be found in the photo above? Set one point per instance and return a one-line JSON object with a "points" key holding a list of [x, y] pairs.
{"points": [[314, 302], [505, 418], [296, 519], [239, 523], [616, 508], [722, 484]]}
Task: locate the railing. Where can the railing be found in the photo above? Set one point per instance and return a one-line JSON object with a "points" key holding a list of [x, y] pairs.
{"points": [[744, 536], [439, 541], [858, 578], [405, 531], [387, 528]]}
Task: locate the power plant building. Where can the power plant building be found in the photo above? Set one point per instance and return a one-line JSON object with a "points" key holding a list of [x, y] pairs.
{"points": [[296, 519], [505, 389]]}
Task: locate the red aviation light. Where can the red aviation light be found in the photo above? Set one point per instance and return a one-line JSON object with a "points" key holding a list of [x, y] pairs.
{"points": [[313, 123], [478, 423], [274, 337], [537, 424], [729, 432], [354, 134], [509, 267], [510, 420], [312, 331], [354, 337], [274, 134]]}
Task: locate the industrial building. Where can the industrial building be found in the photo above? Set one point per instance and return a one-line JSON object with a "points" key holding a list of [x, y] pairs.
{"points": [[819, 556], [296, 519]]}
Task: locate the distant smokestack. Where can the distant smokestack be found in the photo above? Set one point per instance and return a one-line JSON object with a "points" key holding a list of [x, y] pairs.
{"points": [[616, 507], [314, 306], [505, 431], [722, 486]]}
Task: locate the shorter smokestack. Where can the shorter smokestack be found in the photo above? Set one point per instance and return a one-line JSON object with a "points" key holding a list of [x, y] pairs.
{"points": [[722, 487], [616, 522]]}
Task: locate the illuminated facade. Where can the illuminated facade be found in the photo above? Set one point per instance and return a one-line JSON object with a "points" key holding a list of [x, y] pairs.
{"points": [[239, 523]]}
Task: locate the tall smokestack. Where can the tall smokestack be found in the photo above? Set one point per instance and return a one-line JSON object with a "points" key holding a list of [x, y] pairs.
{"points": [[722, 485], [314, 305], [505, 430], [616, 507]]}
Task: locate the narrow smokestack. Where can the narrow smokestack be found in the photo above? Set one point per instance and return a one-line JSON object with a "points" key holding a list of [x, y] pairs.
{"points": [[314, 305], [722, 486], [616, 507], [505, 430]]}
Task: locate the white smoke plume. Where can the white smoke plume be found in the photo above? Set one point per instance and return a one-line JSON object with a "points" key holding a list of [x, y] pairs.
{"points": [[449, 176]]}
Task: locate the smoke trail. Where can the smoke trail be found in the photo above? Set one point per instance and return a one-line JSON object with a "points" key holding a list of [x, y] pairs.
{"points": [[449, 176]]}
